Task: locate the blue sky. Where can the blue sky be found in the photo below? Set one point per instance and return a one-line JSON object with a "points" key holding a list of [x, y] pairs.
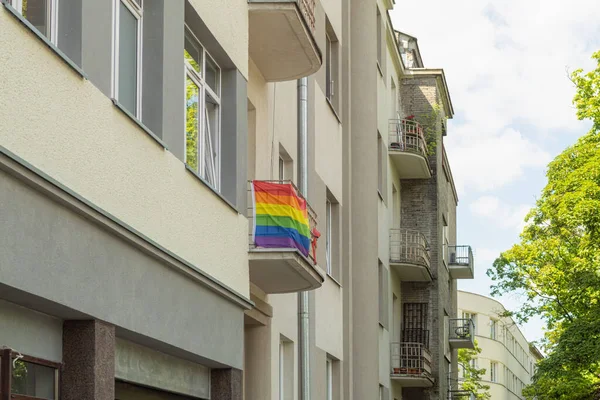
{"points": [[507, 66]]}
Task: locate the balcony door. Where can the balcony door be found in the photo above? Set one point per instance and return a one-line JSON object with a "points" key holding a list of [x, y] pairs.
{"points": [[414, 327]]}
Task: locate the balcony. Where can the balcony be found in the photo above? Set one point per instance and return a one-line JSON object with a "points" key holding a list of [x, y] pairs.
{"points": [[411, 365], [408, 149], [460, 262], [282, 43], [461, 333], [456, 391], [282, 269], [409, 255]]}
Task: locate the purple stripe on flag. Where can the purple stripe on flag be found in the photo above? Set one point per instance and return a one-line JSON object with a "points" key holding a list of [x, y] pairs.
{"points": [[279, 242]]}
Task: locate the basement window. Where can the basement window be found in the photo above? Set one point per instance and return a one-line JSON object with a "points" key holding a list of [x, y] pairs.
{"points": [[30, 378]]}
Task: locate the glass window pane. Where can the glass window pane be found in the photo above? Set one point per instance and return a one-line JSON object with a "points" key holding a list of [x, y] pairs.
{"points": [[211, 138], [128, 38], [33, 380], [212, 75], [192, 105], [193, 53], [36, 12]]}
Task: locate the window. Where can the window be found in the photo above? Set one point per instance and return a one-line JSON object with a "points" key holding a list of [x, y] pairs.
{"points": [[31, 377], [494, 371], [328, 238], [393, 101], [203, 111], [445, 249], [381, 395], [381, 167], [127, 55], [329, 372], [281, 371], [42, 14], [473, 317], [383, 296], [281, 169], [493, 325], [379, 40], [328, 61]]}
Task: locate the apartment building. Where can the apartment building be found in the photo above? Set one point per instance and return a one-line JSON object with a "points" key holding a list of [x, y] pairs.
{"points": [[132, 143], [508, 358]]}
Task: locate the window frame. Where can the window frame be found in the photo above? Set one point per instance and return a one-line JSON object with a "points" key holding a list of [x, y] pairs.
{"points": [[137, 10], [204, 89], [51, 19], [32, 360], [493, 371], [329, 92], [329, 378], [493, 328], [328, 236]]}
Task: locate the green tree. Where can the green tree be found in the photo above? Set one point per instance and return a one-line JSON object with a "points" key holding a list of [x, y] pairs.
{"points": [[471, 374], [556, 265]]}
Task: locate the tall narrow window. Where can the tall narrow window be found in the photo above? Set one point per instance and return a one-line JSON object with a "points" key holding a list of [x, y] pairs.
{"points": [[203, 111], [380, 153], [281, 169], [379, 39], [42, 14], [445, 247], [329, 379], [328, 60], [281, 371], [328, 227], [493, 324], [494, 371]]}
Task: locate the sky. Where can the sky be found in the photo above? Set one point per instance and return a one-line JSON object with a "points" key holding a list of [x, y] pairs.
{"points": [[507, 64]]}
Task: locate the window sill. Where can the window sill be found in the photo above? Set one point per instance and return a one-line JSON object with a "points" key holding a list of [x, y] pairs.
{"points": [[140, 124], [332, 108], [334, 280], [219, 195], [44, 39]]}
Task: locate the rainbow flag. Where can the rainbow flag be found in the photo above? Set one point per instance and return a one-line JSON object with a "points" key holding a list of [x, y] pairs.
{"points": [[280, 217]]}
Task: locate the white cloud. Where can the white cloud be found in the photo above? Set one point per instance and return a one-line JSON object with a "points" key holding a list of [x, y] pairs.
{"points": [[500, 213], [506, 67]]}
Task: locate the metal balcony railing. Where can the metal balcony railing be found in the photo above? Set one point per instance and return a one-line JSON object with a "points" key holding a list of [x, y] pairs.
{"points": [[306, 7], [312, 216], [407, 135], [416, 336], [461, 329], [456, 391], [411, 359], [460, 255], [409, 246]]}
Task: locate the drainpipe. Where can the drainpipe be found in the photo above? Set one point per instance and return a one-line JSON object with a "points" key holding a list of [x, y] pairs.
{"points": [[303, 300]]}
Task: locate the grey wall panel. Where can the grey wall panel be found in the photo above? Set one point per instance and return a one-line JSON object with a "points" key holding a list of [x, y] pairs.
{"points": [[29, 332], [47, 250], [96, 43]]}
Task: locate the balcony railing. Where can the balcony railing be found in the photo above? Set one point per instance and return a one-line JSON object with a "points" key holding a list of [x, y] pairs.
{"points": [[460, 255], [409, 246], [461, 333], [416, 336], [410, 359], [460, 262], [312, 216], [407, 135], [456, 391]]}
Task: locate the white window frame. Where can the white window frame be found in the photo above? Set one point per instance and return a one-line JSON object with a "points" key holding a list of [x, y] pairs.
{"points": [[329, 378], [52, 14], [281, 167], [281, 370], [203, 89], [136, 8], [328, 236], [493, 371], [329, 92], [493, 328]]}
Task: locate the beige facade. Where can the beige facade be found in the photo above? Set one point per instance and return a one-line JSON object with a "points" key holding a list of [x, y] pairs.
{"points": [[128, 141], [507, 357]]}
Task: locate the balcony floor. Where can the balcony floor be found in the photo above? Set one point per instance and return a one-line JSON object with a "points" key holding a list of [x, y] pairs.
{"points": [[418, 381], [410, 165], [461, 271], [283, 271], [281, 45], [411, 272], [465, 343]]}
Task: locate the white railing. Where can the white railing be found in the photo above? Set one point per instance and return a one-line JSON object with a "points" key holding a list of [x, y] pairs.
{"points": [[409, 246], [312, 216], [410, 359], [407, 135]]}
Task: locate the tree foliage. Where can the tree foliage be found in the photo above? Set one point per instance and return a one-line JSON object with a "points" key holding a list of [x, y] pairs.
{"points": [[556, 265], [471, 374]]}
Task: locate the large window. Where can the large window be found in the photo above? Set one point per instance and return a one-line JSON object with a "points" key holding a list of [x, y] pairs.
{"points": [[30, 378], [328, 238], [203, 111], [42, 14], [127, 55]]}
